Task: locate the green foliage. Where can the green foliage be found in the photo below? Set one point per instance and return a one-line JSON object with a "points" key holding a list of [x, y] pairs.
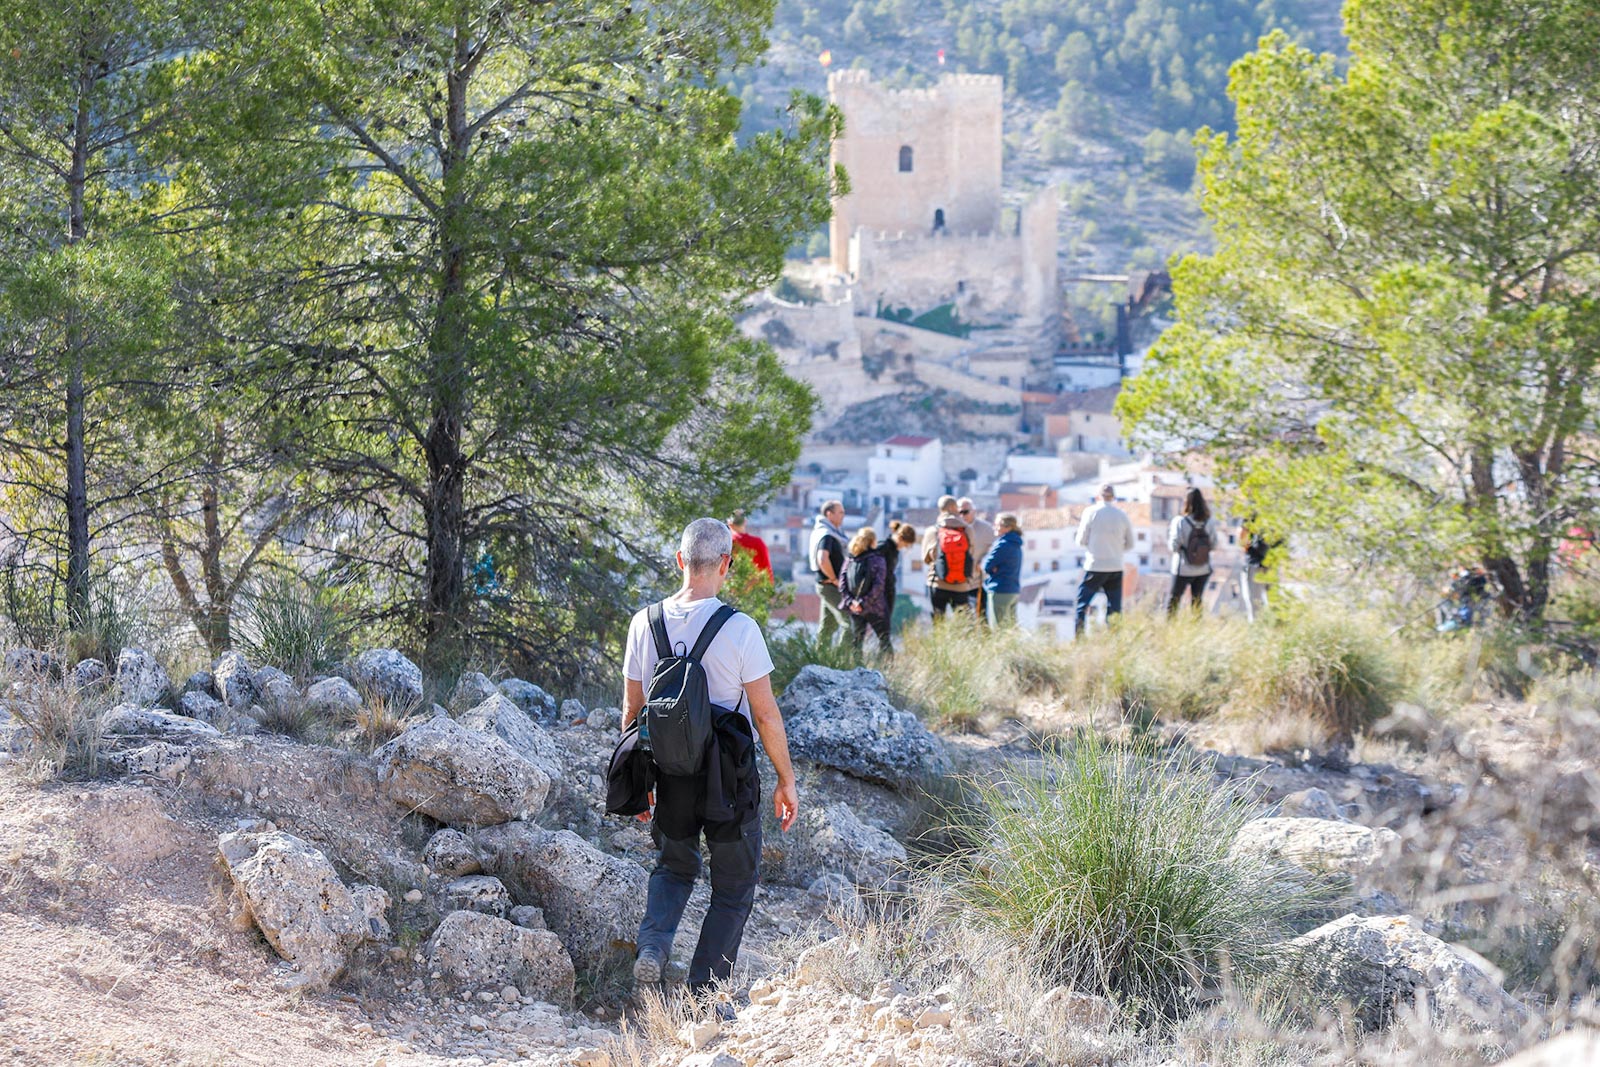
{"points": [[515, 243], [1112, 864], [1393, 349], [1331, 674], [752, 591], [797, 647], [299, 625]]}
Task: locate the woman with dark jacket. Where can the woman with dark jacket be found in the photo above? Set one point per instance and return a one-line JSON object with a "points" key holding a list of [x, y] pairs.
{"points": [[1002, 571], [863, 589]]}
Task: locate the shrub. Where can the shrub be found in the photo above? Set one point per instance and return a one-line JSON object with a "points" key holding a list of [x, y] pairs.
{"points": [[1111, 865], [298, 626], [1328, 667], [66, 725], [797, 647]]}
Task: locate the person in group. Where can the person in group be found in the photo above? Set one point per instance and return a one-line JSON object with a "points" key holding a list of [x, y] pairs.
{"points": [[947, 551], [750, 543], [980, 535], [901, 537], [826, 553], [863, 590], [1190, 538], [1108, 535], [1002, 571], [1256, 547], [738, 671]]}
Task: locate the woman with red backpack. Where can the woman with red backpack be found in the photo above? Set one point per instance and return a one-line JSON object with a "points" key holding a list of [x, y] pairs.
{"points": [[863, 590], [1191, 538]]}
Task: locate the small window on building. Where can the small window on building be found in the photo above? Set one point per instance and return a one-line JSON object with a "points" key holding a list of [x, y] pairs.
{"points": [[1055, 564], [1005, 379], [1144, 561], [879, 478], [1141, 535], [905, 159], [1036, 565], [938, 218], [1077, 561], [901, 480], [961, 287], [1055, 543]]}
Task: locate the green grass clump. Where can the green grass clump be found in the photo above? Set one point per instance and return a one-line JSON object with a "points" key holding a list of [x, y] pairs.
{"points": [[294, 625], [1111, 864], [66, 725], [798, 647]]}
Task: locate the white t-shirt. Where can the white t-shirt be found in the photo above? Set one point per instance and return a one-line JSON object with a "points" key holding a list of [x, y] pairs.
{"points": [[738, 654]]}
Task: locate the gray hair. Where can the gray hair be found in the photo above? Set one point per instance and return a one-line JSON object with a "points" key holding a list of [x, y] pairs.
{"points": [[704, 543], [1108, 491]]}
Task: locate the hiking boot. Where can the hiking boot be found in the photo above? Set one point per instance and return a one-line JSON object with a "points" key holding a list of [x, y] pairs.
{"points": [[647, 967]]}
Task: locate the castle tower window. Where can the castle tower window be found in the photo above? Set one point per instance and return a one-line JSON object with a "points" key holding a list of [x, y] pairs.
{"points": [[938, 218], [905, 159]]}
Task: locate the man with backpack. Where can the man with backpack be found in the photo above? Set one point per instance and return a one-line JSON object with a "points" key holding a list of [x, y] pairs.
{"points": [[980, 535], [947, 552], [697, 677]]}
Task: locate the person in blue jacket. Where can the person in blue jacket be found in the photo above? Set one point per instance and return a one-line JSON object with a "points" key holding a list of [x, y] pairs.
{"points": [[1002, 571]]}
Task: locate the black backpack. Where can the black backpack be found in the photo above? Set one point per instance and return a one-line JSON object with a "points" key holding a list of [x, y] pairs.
{"points": [[678, 716]]}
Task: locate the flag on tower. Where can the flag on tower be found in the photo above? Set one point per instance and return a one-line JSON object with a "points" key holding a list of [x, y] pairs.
{"points": [[941, 57], [826, 58]]}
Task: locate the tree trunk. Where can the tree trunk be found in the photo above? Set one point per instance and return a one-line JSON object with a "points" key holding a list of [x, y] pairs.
{"points": [[445, 495], [77, 488]]}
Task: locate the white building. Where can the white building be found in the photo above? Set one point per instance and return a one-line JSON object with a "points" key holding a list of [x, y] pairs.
{"points": [[905, 472]]}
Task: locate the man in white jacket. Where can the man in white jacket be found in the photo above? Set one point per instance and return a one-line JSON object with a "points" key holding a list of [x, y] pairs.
{"points": [[1108, 535]]}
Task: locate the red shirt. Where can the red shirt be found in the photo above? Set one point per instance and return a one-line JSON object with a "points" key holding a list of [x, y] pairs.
{"points": [[757, 549]]}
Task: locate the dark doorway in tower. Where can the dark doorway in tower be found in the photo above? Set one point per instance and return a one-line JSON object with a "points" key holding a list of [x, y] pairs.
{"points": [[938, 219]]}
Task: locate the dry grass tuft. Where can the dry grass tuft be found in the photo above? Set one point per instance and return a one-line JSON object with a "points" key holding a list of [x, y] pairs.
{"points": [[66, 725]]}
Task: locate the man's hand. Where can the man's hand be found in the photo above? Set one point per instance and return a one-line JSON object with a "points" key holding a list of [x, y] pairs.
{"points": [[785, 804]]}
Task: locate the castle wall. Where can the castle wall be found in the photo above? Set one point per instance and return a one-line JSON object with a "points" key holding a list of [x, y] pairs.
{"points": [[954, 133]]}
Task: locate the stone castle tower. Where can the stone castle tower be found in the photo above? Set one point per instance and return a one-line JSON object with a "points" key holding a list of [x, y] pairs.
{"points": [[920, 160]]}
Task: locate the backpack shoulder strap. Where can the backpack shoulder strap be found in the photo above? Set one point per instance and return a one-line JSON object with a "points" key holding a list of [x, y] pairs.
{"points": [[658, 629], [723, 614]]}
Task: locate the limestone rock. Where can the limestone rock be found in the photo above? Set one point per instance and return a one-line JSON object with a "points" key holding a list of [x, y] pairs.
{"points": [[201, 706], [29, 661], [593, 901], [200, 682], [529, 697], [832, 839], [133, 719], [843, 719], [460, 776], [572, 711], [472, 689], [604, 720], [476, 892], [451, 854], [499, 716], [710, 1059], [333, 698], [141, 679], [157, 759], [529, 916], [87, 673], [1311, 803], [290, 890], [234, 680], [475, 951], [1064, 1006], [265, 676], [1317, 845], [388, 676], [1379, 964]]}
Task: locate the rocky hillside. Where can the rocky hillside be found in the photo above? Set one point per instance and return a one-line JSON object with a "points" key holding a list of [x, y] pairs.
{"points": [[437, 884]]}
